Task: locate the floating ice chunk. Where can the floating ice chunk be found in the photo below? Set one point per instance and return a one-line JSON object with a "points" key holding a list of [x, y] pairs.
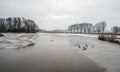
{"points": [[17, 41]]}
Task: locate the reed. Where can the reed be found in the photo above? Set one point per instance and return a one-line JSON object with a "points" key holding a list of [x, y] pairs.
{"points": [[110, 37]]}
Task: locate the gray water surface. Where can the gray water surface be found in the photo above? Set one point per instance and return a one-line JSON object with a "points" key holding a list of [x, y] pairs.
{"points": [[57, 53]]}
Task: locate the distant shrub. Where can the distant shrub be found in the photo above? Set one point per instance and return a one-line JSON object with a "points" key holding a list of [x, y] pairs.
{"points": [[110, 37]]}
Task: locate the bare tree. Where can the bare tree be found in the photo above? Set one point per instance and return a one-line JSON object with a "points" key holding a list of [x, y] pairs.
{"points": [[19, 24], [87, 27], [9, 23], [2, 25], [101, 26], [16, 24]]}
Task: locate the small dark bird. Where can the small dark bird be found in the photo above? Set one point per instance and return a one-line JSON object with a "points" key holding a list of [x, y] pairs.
{"points": [[75, 45], [92, 46], [84, 48], [86, 45], [78, 45]]}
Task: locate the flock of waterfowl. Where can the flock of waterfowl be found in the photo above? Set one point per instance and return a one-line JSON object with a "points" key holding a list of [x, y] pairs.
{"points": [[83, 47]]}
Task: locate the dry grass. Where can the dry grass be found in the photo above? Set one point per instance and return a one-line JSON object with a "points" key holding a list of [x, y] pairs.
{"points": [[110, 37]]}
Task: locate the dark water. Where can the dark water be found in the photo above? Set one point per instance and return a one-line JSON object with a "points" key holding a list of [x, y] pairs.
{"points": [[51, 53]]}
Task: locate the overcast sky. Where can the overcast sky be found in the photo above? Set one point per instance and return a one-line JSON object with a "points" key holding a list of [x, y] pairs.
{"points": [[59, 14]]}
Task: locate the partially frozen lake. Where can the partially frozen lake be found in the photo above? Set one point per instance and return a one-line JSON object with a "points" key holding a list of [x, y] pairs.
{"points": [[57, 52]]}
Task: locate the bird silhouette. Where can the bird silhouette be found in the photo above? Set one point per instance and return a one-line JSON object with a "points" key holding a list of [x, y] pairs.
{"points": [[84, 48], [86, 45], [75, 45], [78, 45], [92, 46]]}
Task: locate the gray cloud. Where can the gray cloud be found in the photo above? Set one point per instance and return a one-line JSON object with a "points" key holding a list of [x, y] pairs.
{"points": [[52, 14]]}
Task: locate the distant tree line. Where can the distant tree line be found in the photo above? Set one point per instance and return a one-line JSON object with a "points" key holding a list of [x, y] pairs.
{"points": [[87, 27], [17, 24]]}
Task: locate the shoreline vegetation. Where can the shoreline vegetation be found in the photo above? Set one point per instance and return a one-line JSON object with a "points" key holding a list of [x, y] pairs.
{"points": [[110, 37]]}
